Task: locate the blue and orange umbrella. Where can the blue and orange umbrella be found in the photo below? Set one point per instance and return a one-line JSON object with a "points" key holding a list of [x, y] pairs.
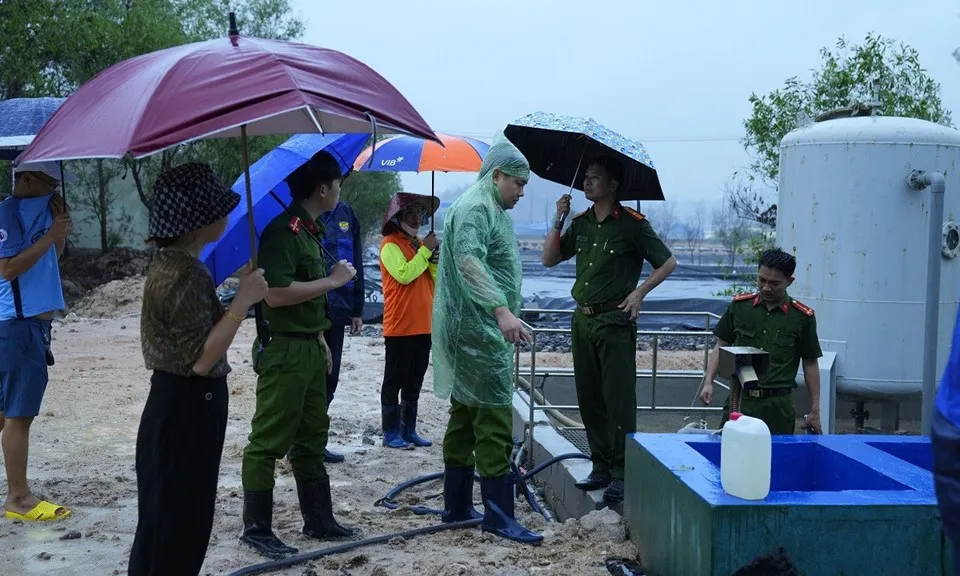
{"points": [[412, 154]]}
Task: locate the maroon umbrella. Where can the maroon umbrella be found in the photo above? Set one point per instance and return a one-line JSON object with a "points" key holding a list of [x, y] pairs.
{"points": [[211, 89], [227, 87]]}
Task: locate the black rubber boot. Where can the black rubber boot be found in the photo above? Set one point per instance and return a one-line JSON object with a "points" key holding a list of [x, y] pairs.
{"points": [[390, 416], [257, 525], [498, 516], [408, 425], [595, 481], [614, 492], [332, 457], [316, 506], [458, 495], [328, 456]]}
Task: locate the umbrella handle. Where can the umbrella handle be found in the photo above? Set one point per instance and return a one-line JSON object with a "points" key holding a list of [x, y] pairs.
{"points": [[263, 327]]}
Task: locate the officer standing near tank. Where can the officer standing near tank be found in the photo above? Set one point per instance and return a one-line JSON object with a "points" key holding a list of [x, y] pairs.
{"points": [[611, 243], [291, 412], [783, 327]]}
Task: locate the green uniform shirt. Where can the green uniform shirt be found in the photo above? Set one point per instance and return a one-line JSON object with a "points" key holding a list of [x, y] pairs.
{"points": [[288, 254], [610, 254], [787, 332]]}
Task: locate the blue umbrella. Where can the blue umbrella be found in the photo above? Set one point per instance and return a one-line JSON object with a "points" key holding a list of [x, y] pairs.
{"points": [[558, 148], [271, 195], [20, 120]]}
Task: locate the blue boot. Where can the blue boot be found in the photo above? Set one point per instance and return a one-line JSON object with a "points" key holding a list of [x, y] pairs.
{"points": [[498, 518], [458, 495], [408, 425], [391, 428]]}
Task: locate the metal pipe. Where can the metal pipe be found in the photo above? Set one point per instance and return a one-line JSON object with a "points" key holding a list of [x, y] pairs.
{"points": [[653, 375], [919, 180], [533, 372], [706, 349]]}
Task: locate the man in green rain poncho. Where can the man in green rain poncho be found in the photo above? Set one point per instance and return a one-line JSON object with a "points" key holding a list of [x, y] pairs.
{"points": [[475, 328]]}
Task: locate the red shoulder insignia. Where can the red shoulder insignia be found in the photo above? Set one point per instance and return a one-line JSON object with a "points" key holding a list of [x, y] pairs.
{"points": [[742, 297], [294, 225], [311, 227], [636, 215], [803, 307]]}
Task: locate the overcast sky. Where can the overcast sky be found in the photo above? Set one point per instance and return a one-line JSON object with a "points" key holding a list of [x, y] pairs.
{"points": [[674, 75]]}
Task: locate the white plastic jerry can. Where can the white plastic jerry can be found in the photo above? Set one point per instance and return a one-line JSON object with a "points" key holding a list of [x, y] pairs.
{"points": [[746, 451]]}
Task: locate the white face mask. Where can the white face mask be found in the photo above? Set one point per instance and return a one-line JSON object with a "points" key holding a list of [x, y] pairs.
{"points": [[409, 229]]}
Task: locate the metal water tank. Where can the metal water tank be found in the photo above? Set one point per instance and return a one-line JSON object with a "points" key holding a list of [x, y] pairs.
{"points": [[860, 236]]}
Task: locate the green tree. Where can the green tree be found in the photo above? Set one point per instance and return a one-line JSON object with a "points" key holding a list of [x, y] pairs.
{"points": [[879, 71], [369, 194], [70, 41]]}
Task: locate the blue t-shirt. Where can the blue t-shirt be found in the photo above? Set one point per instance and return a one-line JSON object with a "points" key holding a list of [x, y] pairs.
{"points": [[23, 221]]}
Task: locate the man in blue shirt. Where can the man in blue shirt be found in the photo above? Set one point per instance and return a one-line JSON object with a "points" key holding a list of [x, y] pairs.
{"points": [[34, 225], [342, 239], [945, 440]]}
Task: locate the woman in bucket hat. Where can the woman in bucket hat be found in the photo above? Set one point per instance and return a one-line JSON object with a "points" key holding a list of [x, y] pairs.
{"points": [[185, 333], [408, 269]]}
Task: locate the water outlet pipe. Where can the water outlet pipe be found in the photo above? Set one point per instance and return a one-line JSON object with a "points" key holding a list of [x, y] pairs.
{"points": [[919, 180]]}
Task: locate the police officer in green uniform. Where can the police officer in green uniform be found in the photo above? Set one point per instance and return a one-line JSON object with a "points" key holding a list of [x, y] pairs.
{"points": [[291, 413], [611, 243], [786, 329]]}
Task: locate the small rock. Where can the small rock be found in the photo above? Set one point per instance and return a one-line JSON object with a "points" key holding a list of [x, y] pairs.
{"points": [[511, 571], [308, 572], [398, 542], [604, 526], [44, 556], [368, 441], [71, 535], [454, 570], [358, 560], [123, 326], [380, 571]]}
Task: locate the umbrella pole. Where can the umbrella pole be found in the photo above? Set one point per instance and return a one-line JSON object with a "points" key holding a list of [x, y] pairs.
{"points": [[246, 178], [263, 327], [573, 181], [433, 183], [63, 195]]}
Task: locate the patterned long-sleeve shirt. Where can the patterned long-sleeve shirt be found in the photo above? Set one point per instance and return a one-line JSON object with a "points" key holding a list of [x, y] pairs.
{"points": [[180, 308]]}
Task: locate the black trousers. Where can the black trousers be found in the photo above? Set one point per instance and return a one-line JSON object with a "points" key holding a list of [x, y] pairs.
{"points": [[407, 360], [334, 337], [179, 445]]}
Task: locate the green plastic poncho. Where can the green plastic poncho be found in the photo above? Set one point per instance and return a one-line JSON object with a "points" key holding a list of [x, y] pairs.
{"points": [[479, 271]]}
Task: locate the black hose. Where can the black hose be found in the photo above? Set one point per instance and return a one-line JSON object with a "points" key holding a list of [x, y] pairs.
{"points": [[389, 503], [527, 490], [547, 463], [317, 554]]}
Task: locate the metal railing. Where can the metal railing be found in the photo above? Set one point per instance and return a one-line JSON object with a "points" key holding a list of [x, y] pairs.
{"points": [[535, 394]]}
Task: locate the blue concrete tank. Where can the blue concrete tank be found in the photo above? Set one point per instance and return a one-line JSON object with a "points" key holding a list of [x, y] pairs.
{"points": [[839, 505]]}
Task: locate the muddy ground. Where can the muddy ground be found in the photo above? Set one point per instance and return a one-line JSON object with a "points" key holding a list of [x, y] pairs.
{"points": [[82, 456]]}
